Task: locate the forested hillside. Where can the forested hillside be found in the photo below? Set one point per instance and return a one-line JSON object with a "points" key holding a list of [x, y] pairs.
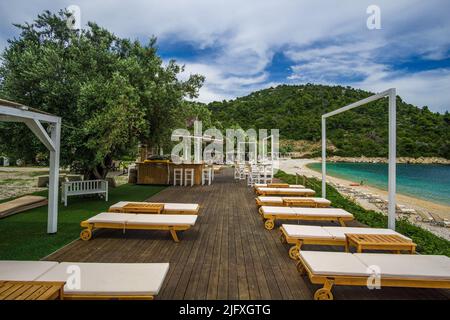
{"points": [[296, 111]]}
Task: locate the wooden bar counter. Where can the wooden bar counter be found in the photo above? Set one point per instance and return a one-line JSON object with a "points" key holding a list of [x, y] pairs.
{"points": [[161, 171]]}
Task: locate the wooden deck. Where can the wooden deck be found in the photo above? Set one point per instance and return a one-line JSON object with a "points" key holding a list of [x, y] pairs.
{"points": [[228, 255]]}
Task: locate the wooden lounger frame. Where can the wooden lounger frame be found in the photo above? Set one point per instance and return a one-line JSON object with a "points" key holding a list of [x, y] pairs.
{"points": [[107, 297], [307, 203], [297, 243], [86, 234], [152, 209], [269, 219], [328, 281]]}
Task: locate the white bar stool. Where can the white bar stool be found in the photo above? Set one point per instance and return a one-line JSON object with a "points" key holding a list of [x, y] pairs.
{"points": [[188, 177], [236, 172], [177, 177], [207, 176]]}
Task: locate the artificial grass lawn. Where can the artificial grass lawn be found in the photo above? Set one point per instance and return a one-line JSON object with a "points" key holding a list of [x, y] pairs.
{"points": [[427, 242], [24, 236]]}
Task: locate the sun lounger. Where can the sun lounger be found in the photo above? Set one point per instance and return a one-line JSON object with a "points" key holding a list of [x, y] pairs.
{"points": [[439, 221], [111, 280], [264, 191], [155, 207], [293, 202], [278, 185], [129, 221], [270, 214], [299, 235], [424, 216], [97, 280], [363, 269]]}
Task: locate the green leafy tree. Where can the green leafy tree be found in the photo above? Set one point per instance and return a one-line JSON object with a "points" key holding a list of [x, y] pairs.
{"points": [[110, 92]]}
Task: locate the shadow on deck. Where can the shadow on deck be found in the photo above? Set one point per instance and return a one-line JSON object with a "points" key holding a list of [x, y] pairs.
{"points": [[227, 255]]}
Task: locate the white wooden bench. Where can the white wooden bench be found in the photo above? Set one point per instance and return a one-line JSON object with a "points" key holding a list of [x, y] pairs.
{"points": [[75, 188]]}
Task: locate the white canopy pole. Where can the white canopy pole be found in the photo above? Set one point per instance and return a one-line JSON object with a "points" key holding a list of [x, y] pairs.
{"points": [[15, 112], [391, 93], [324, 157], [52, 222], [392, 158]]}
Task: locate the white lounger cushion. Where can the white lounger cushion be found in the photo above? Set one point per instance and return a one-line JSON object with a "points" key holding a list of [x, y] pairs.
{"points": [[106, 217], [408, 265], [167, 206], [120, 204], [111, 278], [309, 232], [271, 199], [280, 199], [287, 190], [333, 212], [162, 219], [264, 185], [144, 219], [277, 210], [181, 207], [405, 266], [24, 270], [333, 263], [339, 232]]}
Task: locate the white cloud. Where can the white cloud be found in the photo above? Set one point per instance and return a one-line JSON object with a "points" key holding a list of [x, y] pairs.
{"points": [[327, 40], [426, 88]]}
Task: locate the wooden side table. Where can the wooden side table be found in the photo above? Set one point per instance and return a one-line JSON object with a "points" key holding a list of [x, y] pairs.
{"points": [[389, 242], [299, 203], [143, 208], [278, 185], [31, 290]]}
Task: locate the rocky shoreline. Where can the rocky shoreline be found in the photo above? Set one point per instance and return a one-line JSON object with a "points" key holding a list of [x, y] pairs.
{"points": [[421, 160]]}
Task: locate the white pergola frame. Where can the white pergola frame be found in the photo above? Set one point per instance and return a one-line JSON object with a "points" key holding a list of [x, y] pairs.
{"points": [[391, 94], [264, 141], [14, 112]]}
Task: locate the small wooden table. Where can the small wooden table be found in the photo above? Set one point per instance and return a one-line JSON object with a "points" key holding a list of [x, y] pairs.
{"points": [[390, 242], [143, 208], [31, 290], [303, 203], [278, 185]]}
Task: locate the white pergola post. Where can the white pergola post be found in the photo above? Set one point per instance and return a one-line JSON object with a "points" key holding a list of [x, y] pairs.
{"points": [[391, 94], [14, 112], [264, 142], [324, 157], [53, 186]]}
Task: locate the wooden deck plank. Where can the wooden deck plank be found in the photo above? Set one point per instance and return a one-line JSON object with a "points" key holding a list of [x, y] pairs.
{"points": [[227, 255]]}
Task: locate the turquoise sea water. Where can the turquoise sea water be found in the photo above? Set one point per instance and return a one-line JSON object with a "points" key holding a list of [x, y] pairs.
{"points": [[429, 182]]}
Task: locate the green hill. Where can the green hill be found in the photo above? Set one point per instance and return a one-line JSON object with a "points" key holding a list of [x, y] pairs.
{"points": [[296, 111]]}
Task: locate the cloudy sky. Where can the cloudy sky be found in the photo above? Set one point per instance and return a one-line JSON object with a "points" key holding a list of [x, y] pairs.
{"points": [[242, 46]]}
